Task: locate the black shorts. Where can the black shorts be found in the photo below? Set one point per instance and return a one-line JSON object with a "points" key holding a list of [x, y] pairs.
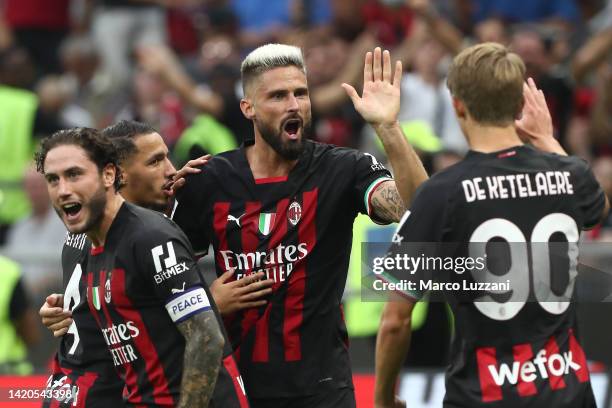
{"points": [[338, 398]]}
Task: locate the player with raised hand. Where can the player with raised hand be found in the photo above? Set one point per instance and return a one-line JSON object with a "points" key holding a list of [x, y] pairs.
{"points": [[285, 205], [516, 348]]}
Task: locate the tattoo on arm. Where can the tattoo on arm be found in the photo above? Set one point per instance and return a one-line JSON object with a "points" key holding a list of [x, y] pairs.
{"points": [[387, 203], [202, 359]]}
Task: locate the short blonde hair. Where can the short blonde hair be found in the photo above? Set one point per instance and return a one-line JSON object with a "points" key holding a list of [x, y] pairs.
{"points": [[488, 79], [268, 57]]}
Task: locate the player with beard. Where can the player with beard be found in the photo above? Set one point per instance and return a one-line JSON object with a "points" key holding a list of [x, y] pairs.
{"points": [[520, 347], [82, 362], [285, 205]]}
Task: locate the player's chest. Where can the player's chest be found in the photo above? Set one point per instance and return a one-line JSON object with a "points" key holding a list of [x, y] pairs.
{"points": [[111, 285]]}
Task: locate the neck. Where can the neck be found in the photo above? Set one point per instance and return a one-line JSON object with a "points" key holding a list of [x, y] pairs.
{"points": [[487, 139], [265, 162], [97, 235]]}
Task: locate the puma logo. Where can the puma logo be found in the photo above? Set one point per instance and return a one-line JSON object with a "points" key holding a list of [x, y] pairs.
{"points": [[175, 291], [230, 218]]}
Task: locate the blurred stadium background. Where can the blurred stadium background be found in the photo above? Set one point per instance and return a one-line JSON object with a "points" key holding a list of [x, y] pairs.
{"points": [[175, 64]]}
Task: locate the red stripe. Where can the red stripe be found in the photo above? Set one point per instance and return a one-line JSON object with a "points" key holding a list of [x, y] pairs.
{"points": [[369, 209], [230, 365], [262, 327], [486, 356], [579, 358], [220, 214], [84, 384], [522, 354], [556, 382], [143, 343], [131, 377], [266, 180], [97, 250], [294, 302], [57, 370], [96, 316], [250, 240]]}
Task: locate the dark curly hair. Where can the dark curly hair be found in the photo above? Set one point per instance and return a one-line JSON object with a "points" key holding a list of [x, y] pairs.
{"points": [[96, 145]]}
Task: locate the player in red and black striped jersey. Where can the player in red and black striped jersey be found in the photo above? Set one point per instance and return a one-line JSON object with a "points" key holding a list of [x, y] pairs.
{"points": [[148, 172], [67, 185], [147, 262], [515, 346], [285, 206], [83, 365]]}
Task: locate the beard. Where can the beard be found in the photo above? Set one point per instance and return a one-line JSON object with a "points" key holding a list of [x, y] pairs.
{"points": [[96, 206], [288, 150]]}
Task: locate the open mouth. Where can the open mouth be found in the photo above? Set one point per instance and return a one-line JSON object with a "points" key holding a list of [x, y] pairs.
{"points": [[292, 127], [72, 210]]}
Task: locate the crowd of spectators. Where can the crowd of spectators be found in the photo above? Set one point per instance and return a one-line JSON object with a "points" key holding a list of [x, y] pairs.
{"points": [[175, 65]]}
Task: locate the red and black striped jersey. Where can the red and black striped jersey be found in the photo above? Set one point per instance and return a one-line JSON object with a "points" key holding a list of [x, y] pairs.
{"points": [[71, 388], [516, 347], [83, 366], [298, 231], [140, 284]]}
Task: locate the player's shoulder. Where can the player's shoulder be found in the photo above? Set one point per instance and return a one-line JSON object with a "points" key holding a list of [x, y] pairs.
{"points": [[224, 161], [323, 153], [220, 167], [144, 224], [570, 163], [76, 241], [448, 178], [75, 244], [330, 151]]}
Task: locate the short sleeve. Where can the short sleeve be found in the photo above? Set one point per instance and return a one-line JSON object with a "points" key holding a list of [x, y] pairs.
{"points": [[166, 260], [369, 174], [190, 211], [418, 235], [590, 196]]}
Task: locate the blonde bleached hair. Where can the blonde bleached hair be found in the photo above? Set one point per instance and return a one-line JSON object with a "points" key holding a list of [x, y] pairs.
{"points": [[488, 79], [268, 57]]}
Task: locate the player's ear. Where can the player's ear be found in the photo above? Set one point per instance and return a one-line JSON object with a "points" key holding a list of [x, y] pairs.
{"points": [[460, 109], [247, 108], [109, 172]]}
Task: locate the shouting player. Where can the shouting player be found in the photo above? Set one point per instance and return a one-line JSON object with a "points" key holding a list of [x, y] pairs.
{"points": [[143, 286], [507, 351], [83, 364], [284, 205]]}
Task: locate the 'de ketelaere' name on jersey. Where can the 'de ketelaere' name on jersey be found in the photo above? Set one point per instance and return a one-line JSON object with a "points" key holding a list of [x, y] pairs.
{"points": [[503, 187], [276, 263]]}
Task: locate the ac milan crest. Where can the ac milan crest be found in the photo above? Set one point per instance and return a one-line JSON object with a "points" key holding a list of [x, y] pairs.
{"points": [[294, 214]]}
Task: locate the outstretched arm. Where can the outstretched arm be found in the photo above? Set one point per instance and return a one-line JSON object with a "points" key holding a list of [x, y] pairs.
{"points": [[379, 105], [392, 344], [202, 359]]}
